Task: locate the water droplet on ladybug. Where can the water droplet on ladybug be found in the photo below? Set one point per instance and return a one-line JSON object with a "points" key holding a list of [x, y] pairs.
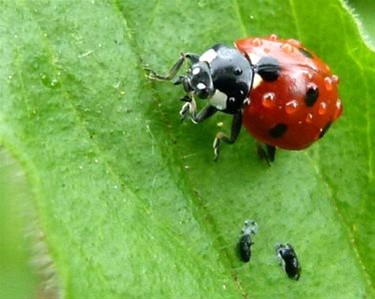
{"points": [[266, 50], [257, 42], [312, 85], [335, 79], [338, 109], [268, 100], [287, 48], [322, 108], [309, 75], [273, 37], [328, 83], [309, 118], [338, 104], [291, 107], [295, 42]]}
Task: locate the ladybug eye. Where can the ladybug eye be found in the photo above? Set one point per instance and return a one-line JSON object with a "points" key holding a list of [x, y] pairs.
{"points": [[237, 71]]}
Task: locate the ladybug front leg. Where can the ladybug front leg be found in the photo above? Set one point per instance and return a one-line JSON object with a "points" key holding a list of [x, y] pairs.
{"points": [[174, 69], [202, 115], [190, 108], [235, 131]]}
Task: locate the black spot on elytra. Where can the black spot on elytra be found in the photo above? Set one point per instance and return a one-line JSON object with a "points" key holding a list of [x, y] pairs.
{"points": [[305, 52], [311, 96], [278, 130], [325, 129], [268, 68]]}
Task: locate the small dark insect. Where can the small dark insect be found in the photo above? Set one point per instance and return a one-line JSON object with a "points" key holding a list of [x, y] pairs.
{"points": [[249, 229], [288, 260]]}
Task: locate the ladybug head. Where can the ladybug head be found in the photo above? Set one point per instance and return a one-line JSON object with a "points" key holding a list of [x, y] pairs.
{"points": [[198, 81], [222, 75]]}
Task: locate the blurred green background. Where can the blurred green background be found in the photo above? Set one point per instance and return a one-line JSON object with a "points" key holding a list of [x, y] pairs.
{"points": [[17, 278], [17, 275], [365, 10]]}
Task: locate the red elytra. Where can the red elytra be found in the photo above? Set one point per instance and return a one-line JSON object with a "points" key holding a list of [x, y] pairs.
{"points": [[296, 109]]}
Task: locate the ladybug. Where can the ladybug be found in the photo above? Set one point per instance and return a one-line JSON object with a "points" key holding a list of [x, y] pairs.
{"points": [[289, 261], [284, 95], [249, 229]]}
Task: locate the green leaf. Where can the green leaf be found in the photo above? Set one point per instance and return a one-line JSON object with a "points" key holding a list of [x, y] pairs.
{"points": [[17, 278], [129, 199], [365, 9]]}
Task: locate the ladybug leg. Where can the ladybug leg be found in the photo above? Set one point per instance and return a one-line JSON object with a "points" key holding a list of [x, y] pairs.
{"points": [[235, 131], [190, 107], [202, 115], [174, 69], [271, 152], [267, 152]]}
